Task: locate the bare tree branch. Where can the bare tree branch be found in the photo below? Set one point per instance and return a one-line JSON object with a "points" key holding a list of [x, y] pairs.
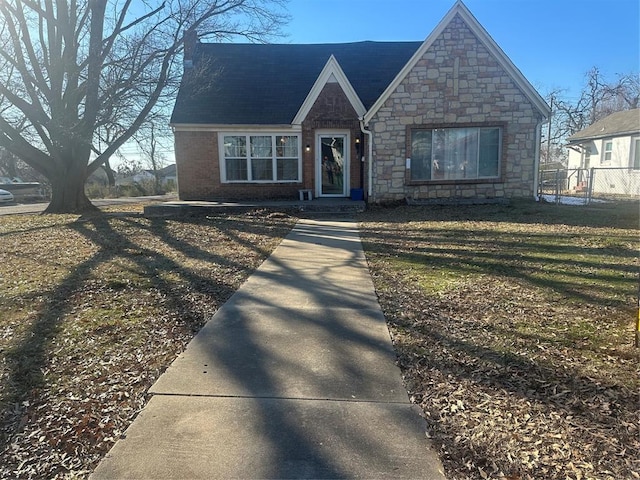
{"points": [[83, 72]]}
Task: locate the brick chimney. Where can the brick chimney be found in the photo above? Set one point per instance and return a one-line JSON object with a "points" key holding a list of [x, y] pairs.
{"points": [[190, 42]]}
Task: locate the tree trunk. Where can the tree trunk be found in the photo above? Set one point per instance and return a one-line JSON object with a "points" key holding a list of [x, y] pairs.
{"points": [[110, 176], [67, 193]]}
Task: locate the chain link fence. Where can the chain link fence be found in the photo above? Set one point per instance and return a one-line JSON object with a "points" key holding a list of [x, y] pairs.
{"points": [[587, 185]]}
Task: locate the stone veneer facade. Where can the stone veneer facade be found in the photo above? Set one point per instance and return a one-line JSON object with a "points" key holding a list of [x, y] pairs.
{"points": [[456, 83]]}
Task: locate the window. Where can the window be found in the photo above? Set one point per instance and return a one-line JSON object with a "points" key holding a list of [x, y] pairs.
{"points": [[635, 153], [260, 158], [587, 156], [607, 152], [455, 153]]}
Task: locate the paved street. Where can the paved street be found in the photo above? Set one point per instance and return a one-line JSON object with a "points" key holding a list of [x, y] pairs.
{"points": [[14, 209]]}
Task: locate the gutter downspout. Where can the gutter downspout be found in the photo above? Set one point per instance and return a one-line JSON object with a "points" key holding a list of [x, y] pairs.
{"points": [[536, 171], [369, 158]]}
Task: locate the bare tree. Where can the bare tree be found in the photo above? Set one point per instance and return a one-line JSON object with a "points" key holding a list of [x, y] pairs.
{"points": [[624, 94], [151, 145], [598, 99], [555, 131], [75, 71]]}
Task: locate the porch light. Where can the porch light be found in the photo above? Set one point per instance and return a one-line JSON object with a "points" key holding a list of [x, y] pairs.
{"points": [[307, 148]]}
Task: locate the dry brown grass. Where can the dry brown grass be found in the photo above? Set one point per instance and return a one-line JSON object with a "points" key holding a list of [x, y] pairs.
{"points": [[514, 329], [93, 310]]}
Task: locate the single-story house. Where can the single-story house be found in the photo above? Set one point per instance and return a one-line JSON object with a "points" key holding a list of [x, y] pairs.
{"points": [[165, 175], [168, 174], [142, 176], [613, 141], [611, 146], [448, 117]]}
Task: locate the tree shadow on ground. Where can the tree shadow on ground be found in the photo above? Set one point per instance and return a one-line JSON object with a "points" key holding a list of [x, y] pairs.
{"points": [[551, 262], [445, 338], [27, 359], [255, 349], [519, 211]]}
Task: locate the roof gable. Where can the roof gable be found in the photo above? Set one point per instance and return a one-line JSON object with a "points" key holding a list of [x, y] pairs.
{"points": [[332, 72], [617, 124], [483, 36]]}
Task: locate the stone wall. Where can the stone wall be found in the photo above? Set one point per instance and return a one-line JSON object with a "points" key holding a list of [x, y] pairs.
{"points": [[456, 83]]}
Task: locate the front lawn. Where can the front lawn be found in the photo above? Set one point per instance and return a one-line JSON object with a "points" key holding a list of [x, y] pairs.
{"points": [[514, 328], [93, 309]]}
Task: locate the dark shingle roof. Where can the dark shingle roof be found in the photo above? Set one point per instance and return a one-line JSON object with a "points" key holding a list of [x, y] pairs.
{"points": [[260, 84], [615, 125]]}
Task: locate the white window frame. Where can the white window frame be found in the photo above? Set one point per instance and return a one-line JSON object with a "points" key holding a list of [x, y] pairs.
{"points": [[603, 158], [587, 156], [346, 179], [274, 157], [635, 150]]}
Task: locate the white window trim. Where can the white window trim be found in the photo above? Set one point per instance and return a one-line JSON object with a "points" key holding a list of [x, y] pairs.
{"points": [[346, 179], [257, 133], [603, 157], [635, 141]]}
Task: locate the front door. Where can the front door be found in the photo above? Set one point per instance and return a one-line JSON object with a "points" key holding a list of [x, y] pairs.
{"points": [[332, 165]]}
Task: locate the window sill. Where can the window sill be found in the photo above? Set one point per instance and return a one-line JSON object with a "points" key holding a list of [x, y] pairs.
{"points": [[261, 182], [454, 182]]}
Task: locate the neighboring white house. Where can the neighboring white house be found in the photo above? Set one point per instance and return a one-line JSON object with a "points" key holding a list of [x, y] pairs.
{"points": [[165, 175], [612, 147]]}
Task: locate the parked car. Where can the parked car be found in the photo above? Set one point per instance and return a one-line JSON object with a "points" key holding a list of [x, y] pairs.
{"points": [[21, 190], [6, 197]]}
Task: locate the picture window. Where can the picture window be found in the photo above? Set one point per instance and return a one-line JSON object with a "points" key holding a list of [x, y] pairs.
{"points": [[455, 153]]}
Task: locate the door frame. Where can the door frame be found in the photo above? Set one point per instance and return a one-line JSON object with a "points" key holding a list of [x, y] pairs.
{"points": [[346, 168]]}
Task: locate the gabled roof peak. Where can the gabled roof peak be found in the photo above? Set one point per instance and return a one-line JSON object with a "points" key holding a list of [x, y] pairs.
{"points": [[331, 72], [460, 9]]}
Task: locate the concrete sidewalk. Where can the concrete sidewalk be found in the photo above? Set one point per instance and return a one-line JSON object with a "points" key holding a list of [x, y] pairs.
{"points": [[294, 377]]}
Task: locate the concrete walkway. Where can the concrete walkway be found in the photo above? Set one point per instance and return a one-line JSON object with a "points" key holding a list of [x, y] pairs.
{"points": [[294, 377]]}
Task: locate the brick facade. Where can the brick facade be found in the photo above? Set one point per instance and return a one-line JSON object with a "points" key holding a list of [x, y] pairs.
{"points": [[198, 166], [456, 83], [198, 170], [331, 111]]}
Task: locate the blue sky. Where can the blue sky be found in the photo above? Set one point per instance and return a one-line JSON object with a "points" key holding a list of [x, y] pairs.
{"points": [[553, 42]]}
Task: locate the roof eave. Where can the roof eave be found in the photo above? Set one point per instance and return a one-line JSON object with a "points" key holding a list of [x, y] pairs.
{"points": [[580, 140], [220, 127]]}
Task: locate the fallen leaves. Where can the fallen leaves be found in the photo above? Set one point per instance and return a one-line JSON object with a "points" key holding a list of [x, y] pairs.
{"points": [[93, 311], [522, 363]]}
